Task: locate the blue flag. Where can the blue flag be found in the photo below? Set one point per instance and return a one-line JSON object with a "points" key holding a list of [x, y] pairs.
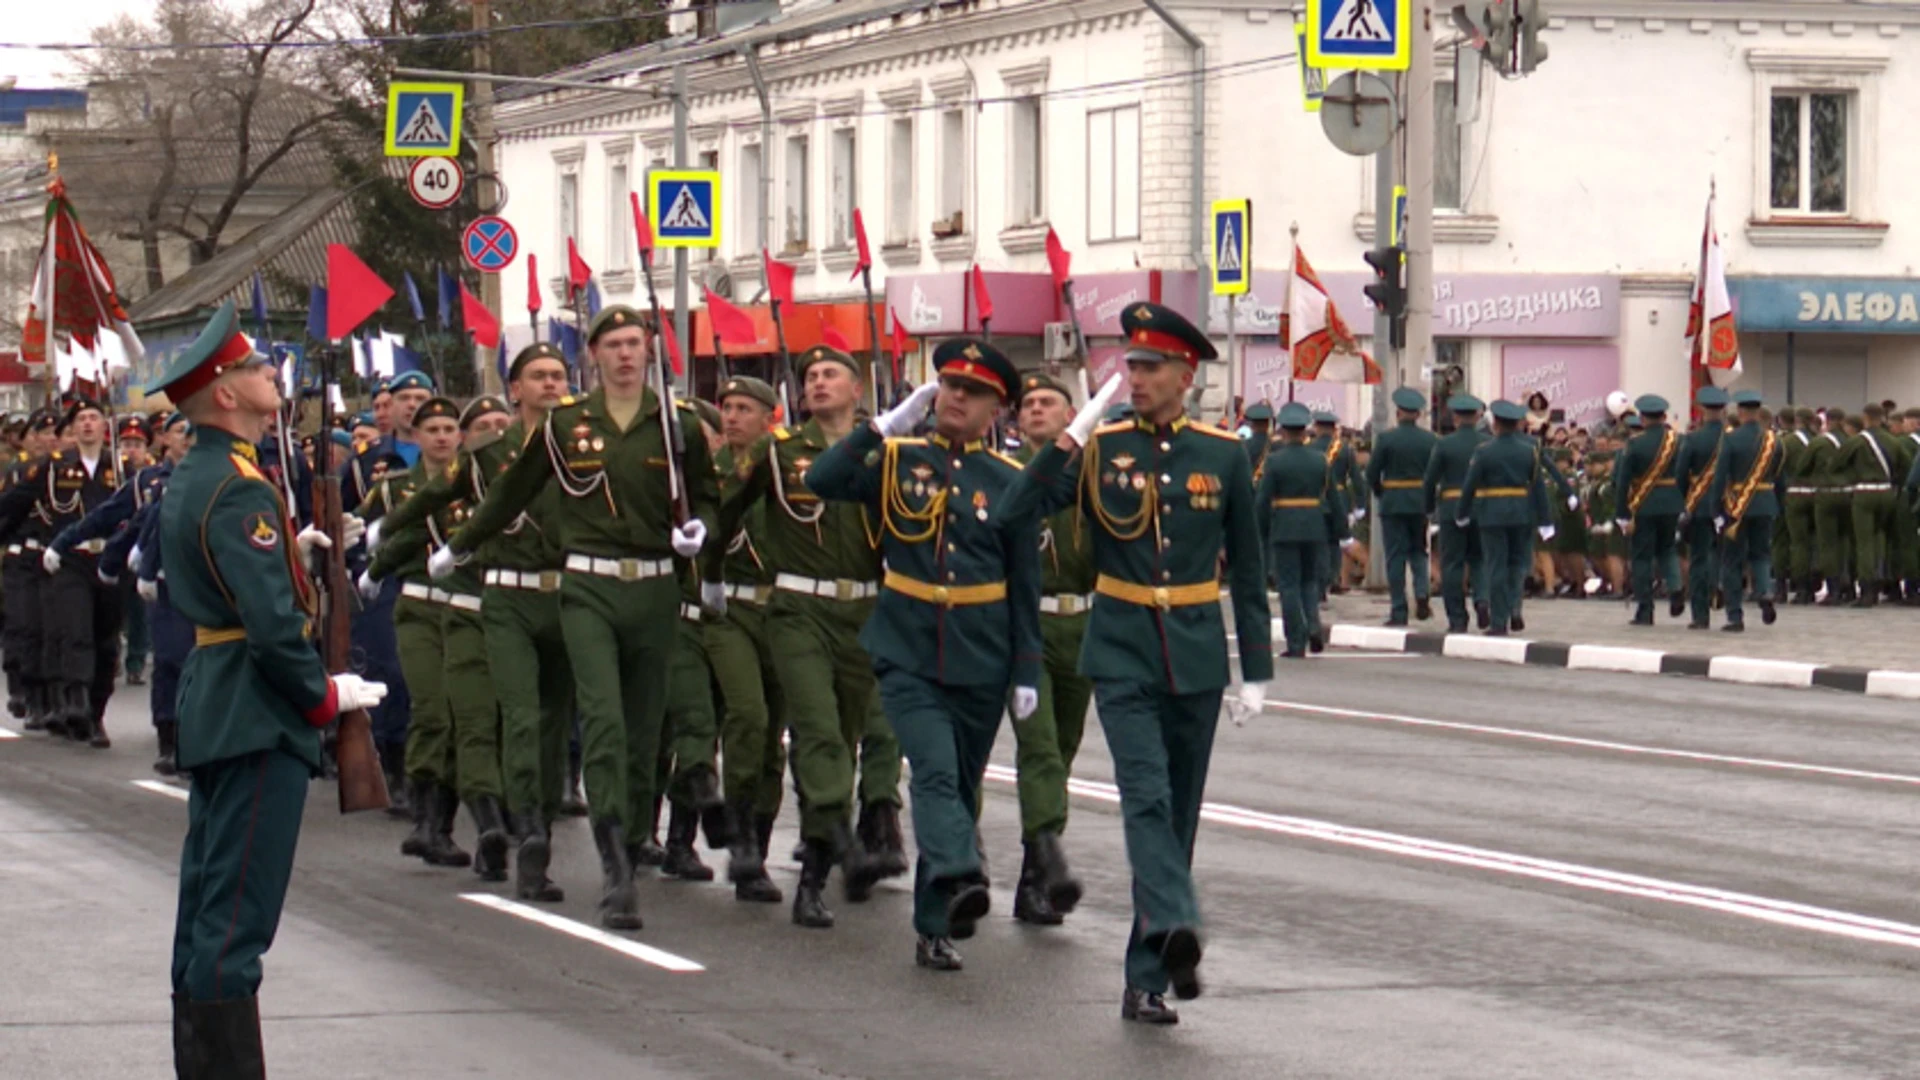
{"points": [[593, 298], [317, 312], [405, 360], [505, 365], [568, 338], [413, 297], [449, 289], [259, 304]]}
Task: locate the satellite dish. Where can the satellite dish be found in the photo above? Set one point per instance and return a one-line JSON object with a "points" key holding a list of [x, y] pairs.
{"points": [[716, 278], [1357, 113]]}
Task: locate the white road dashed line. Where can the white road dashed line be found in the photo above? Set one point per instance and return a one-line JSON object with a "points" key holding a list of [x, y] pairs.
{"points": [[161, 787], [647, 954]]}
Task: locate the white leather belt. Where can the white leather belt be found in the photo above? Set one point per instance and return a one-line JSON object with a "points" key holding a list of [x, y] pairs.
{"points": [[1802, 491], [750, 594], [531, 580], [1873, 487], [837, 589], [690, 612], [463, 601], [623, 569], [1066, 604], [417, 591], [24, 545], [91, 547]]}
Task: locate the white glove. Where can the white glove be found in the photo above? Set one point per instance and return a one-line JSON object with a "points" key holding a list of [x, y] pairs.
{"points": [[307, 540], [1025, 700], [1347, 544], [369, 588], [1719, 523], [106, 578], [149, 590], [1546, 532], [1251, 698], [352, 528], [904, 417], [353, 692], [1573, 502], [1462, 523], [373, 534], [1433, 531], [713, 597], [688, 538], [1605, 528], [441, 562], [50, 561], [1353, 517], [1089, 415]]}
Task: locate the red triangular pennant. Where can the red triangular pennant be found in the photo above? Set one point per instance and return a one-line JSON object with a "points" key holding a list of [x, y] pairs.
{"points": [[354, 291]]}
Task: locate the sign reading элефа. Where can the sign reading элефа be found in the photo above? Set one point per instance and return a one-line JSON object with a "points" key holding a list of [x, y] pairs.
{"points": [[1831, 305]]}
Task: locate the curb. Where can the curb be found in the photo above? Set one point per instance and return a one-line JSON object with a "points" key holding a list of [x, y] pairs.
{"points": [[1737, 669]]}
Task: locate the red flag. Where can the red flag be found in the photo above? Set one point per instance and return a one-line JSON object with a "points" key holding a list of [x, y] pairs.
{"points": [[578, 272], [834, 339], [480, 322], [533, 284], [860, 242], [354, 291], [642, 228], [72, 288], [734, 326], [899, 339], [779, 279], [982, 303], [673, 347], [1059, 260]]}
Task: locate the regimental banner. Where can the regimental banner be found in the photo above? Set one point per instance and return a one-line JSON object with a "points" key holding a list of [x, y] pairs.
{"points": [[1827, 305]]}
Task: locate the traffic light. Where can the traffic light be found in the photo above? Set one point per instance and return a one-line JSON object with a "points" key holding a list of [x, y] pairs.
{"points": [[1533, 51], [1388, 292]]}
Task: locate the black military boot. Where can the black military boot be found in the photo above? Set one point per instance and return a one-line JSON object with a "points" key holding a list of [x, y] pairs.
{"points": [[1677, 603], [1482, 615], [420, 802], [53, 715], [490, 849], [747, 858], [1062, 889], [17, 701], [442, 805], [167, 732], [1030, 904], [648, 852], [703, 793], [530, 861], [1802, 592], [969, 904], [572, 803], [859, 870], [682, 861], [619, 904], [1869, 593], [225, 1039], [880, 830], [393, 765], [809, 897]]}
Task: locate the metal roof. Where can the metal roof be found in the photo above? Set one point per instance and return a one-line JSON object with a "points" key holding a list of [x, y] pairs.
{"points": [[290, 247]]}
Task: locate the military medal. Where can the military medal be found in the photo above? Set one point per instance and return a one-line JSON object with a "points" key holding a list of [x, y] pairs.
{"points": [[1139, 481], [980, 505], [599, 444]]}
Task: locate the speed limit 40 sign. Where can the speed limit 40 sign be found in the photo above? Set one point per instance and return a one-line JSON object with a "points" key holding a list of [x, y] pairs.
{"points": [[436, 182]]}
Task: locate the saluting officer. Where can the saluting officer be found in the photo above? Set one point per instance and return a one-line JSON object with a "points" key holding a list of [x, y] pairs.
{"points": [[1699, 453], [1745, 500], [1460, 549], [1649, 505], [958, 620], [1166, 497], [253, 697], [1296, 523], [1503, 496], [1396, 475]]}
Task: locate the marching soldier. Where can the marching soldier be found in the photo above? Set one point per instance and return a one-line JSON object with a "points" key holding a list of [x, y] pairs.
{"points": [[1460, 551], [29, 697], [611, 454], [1832, 509], [1048, 741], [1906, 527], [958, 619], [253, 697], [1328, 440], [1649, 507], [1258, 420], [1296, 521], [1872, 459], [1797, 472], [1166, 498], [1506, 478], [1396, 475], [1693, 472], [1744, 501]]}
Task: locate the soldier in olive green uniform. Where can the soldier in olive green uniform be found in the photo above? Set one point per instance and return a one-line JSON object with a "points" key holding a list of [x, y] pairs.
{"points": [[1693, 471], [1047, 742], [253, 696], [1396, 474], [1797, 471], [1296, 521], [1328, 440], [1906, 525], [1873, 461], [1504, 495], [1744, 500], [1832, 508], [1460, 550], [618, 456], [958, 620], [1165, 498], [1649, 506], [752, 756]]}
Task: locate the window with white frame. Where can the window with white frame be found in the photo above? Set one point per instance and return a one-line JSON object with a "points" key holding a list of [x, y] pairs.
{"points": [[954, 166], [569, 203], [1026, 158], [1808, 151], [1448, 139], [619, 214], [1113, 174], [844, 192], [752, 193], [798, 193], [900, 224], [1816, 124]]}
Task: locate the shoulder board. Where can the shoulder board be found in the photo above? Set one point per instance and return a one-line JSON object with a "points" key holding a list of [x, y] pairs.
{"points": [[782, 433], [1008, 460], [1209, 429], [1115, 427], [907, 441], [568, 400], [246, 468], [685, 406]]}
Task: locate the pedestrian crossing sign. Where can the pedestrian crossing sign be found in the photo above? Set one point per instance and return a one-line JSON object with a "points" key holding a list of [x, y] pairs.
{"points": [[423, 119], [1232, 246], [1360, 35], [683, 207]]}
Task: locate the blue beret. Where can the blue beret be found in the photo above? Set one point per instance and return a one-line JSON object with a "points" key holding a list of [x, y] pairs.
{"points": [[1410, 399], [1710, 397], [1295, 416], [363, 419], [1650, 403], [412, 380], [1748, 399], [1465, 403], [1507, 410], [341, 438]]}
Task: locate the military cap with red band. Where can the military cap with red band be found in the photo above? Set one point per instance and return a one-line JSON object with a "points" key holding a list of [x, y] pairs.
{"points": [[220, 348], [977, 361], [1156, 334]]}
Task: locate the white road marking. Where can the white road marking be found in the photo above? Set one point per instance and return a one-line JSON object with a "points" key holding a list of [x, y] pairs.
{"points": [[1600, 744], [1758, 908], [1345, 654], [161, 787], [647, 954], [1900, 684]]}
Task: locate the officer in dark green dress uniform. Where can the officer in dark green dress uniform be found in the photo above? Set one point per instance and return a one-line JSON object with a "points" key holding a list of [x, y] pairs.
{"points": [[253, 696], [958, 620], [1396, 474], [1328, 440], [1745, 500], [1296, 521], [1165, 498], [1648, 506], [1460, 549], [1504, 496], [1256, 434], [1699, 453]]}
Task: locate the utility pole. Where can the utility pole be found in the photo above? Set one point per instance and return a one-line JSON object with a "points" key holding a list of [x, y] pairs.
{"points": [[481, 89], [1417, 102], [1383, 351]]}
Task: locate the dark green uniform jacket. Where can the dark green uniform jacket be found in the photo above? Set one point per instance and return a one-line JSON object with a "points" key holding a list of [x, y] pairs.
{"points": [[1447, 470], [1293, 502], [1397, 472], [1654, 452], [1505, 483], [1748, 477]]}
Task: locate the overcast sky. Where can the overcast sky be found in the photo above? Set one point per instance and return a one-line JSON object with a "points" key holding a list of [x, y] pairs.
{"points": [[42, 22]]}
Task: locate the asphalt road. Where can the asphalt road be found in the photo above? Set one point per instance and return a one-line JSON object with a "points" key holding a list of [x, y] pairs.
{"points": [[1412, 867]]}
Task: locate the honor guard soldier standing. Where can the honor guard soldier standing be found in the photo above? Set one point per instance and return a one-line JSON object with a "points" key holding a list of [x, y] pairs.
{"points": [[1046, 743], [253, 697], [1872, 460], [958, 620], [1649, 506], [1699, 452], [610, 453], [1396, 474], [1503, 496], [1296, 522], [1745, 501], [1166, 497], [1460, 549]]}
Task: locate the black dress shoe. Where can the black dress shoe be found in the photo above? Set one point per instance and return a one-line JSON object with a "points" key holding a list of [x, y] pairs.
{"points": [[1397, 621], [1643, 616], [1767, 612], [1699, 624], [1423, 610], [1677, 604], [969, 905], [1294, 654], [1456, 628], [1180, 955], [1732, 628], [1483, 615], [1146, 1007], [1498, 631], [1516, 624], [1317, 641], [936, 953]]}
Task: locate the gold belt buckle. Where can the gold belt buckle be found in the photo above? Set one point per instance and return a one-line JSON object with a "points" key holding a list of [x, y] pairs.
{"points": [[1162, 599], [629, 569], [843, 589], [1072, 605], [940, 595], [549, 580]]}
